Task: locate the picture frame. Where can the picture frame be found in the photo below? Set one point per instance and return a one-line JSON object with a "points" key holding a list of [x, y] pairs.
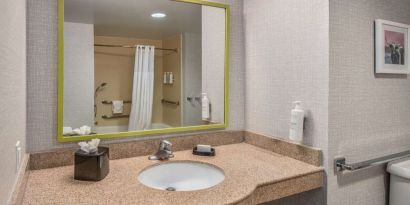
{"points": [[392, 47]]}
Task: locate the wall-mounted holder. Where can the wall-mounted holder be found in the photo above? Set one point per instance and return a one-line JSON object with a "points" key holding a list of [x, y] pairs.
{"points": [[190, 99], [169, 78]]}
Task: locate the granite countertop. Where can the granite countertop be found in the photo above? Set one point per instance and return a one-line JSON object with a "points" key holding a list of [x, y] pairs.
{"points": [[252, 175]]}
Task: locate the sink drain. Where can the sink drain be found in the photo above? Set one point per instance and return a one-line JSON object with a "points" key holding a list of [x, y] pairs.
{"points": [[170, 189]]}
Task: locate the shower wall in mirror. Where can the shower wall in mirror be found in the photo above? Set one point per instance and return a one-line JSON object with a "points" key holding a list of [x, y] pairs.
{"points": [[136, 67]]}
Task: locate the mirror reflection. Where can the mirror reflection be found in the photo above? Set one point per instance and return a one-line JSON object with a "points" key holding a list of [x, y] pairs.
{"points": [[134, 65]]}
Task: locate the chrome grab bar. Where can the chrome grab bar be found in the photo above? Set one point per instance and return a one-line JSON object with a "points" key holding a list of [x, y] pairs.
{"points": [[114, 116], [340, 164], [170, 102]]}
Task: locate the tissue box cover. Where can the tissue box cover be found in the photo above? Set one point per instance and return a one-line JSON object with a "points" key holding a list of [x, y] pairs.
{"points": [[91, 166]]}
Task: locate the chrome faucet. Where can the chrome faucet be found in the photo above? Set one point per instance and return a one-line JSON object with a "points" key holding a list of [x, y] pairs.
{"points": [[164, 151]]}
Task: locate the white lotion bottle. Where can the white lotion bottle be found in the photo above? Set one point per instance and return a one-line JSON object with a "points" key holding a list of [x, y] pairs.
{"points": [[171, 78], [165, 77], [205, 107], [297, 118]]}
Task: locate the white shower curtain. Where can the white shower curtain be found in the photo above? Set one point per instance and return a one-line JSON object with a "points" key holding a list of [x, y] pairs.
{"points": [[142, 88]]}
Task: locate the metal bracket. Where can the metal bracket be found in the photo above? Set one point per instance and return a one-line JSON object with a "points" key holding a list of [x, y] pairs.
{"points": [[339, 163]]}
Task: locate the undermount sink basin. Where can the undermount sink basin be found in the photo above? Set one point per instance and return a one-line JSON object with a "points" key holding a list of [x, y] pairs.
{"points": [[181, 176]]}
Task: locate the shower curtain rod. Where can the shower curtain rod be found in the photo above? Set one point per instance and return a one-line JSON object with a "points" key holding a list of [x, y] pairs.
{"points": [[124, 46]]}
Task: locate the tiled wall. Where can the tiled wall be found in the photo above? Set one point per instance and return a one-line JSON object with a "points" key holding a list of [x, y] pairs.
{"points": [[213, 60], [369, 115], [42, 74], [287, 60], [12, 91], [192, 78], [79, 61]]}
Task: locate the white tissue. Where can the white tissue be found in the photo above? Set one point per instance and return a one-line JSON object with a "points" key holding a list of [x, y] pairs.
{"points": [[84, 130], [91, 146]]}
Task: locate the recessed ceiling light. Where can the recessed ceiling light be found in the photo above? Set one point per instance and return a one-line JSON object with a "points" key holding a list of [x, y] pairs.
{"points": [[158, 15]]}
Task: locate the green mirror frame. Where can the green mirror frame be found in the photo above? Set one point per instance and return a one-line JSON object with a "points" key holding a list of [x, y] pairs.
{"points": [[60, 94]]}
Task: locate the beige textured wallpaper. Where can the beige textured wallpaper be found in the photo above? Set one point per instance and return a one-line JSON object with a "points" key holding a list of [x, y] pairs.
{"points": [[369, 115], [12, 91], [286, 48]]}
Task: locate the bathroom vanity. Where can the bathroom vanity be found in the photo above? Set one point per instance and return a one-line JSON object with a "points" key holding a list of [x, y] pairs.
{"points": [[254, 171]]}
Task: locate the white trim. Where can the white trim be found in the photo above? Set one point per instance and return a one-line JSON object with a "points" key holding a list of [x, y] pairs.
{"points": [[20, 183]]}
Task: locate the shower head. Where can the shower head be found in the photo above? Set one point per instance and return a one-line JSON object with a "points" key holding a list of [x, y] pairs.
{"points": [[103, 84]]}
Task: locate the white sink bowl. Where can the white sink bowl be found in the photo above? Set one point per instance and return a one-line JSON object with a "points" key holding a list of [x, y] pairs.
{"points": [[181, 176]]}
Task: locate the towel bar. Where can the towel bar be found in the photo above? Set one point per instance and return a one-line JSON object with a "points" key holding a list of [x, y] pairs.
{"points": [[110, 102], [340, 164]]}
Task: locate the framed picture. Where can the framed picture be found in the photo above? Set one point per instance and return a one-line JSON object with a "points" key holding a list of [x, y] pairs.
{"points": [[392, 47]]}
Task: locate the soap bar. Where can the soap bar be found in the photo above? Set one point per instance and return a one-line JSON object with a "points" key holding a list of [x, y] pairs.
{"points": [[211, 153], [203, 148]]}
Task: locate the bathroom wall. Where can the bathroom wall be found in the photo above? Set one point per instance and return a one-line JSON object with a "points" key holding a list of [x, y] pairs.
{"points": [[115, 66], [213, 58], [12, 91], [79, 75], [369, 115], [192, 78], [172, 62], [286, 44], [42, 74]]}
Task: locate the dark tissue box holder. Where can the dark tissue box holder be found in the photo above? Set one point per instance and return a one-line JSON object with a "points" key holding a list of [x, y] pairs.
{"points": [[91, 166]]}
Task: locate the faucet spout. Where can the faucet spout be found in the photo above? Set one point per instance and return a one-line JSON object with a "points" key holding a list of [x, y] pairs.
{"points": [[164, 151]]}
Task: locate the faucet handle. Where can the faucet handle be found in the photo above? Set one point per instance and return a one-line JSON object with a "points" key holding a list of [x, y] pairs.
{"points": [[165, 145]]}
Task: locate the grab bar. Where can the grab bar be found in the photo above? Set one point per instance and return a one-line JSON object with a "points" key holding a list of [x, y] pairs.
{"points": [[340, 164], [110, 102], [114, 116], [170, 102]]}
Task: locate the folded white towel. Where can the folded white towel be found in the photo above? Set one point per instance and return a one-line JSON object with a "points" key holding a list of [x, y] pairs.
{"points": [[117, 106], [67, 130]]}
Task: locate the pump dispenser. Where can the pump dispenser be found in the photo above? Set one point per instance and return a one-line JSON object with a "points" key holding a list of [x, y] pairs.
{"points": [[297, 118], [205, 107]]}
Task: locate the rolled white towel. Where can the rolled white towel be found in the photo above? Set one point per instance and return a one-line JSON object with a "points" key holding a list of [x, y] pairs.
{"points": [[77, 131], [84, 130]]}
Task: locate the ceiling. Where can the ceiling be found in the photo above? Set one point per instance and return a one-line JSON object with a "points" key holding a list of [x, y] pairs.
{"points": [[132, 18]]}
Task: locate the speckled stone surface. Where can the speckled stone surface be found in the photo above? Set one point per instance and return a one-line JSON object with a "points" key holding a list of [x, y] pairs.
{"points": [[64, 157], [252, 175], [297, 151]]}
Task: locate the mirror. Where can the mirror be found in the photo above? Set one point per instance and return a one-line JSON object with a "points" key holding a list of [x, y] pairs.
{"points": [[137, 67]]}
